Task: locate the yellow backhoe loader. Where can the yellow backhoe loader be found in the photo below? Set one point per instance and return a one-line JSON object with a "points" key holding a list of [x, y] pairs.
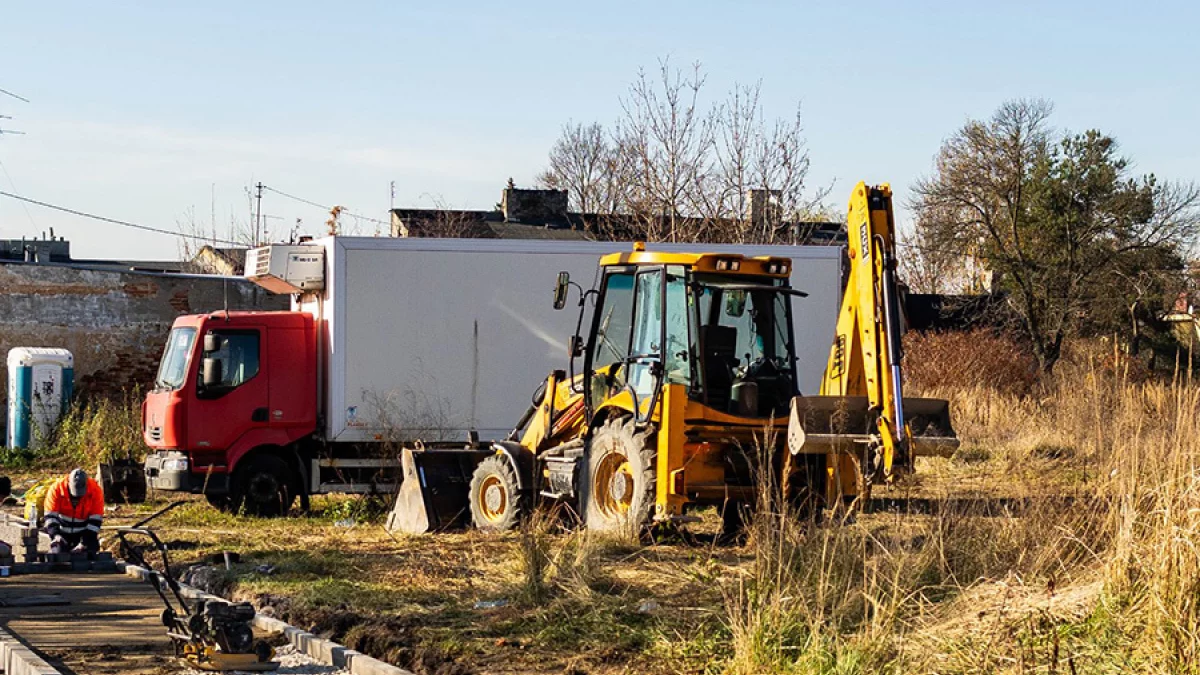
{"points": [[663, 415]]}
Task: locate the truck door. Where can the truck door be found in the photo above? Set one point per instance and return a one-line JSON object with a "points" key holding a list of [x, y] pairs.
{"points": [[237, 401]]}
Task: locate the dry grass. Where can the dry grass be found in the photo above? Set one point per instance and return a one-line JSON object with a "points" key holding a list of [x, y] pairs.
{"points": [[90, 432], [1063, 538]]}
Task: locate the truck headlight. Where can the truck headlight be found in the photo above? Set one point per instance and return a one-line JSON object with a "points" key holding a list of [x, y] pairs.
{"points": [[175, 465]]}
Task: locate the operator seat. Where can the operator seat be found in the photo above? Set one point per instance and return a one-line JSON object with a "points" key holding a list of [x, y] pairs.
{"points": [[718, 345]]}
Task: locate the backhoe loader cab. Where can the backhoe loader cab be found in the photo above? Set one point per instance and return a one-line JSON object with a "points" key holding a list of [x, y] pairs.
{"points": [[718, 327], [687, 361]]}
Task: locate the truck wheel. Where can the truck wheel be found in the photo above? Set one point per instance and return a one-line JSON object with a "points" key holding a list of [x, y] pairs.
{"points": [[263, 486], [618, 489], [496, 501]]}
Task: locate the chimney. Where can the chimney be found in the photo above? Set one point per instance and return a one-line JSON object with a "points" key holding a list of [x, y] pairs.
{"points": [[765, 208], [535, 207]]}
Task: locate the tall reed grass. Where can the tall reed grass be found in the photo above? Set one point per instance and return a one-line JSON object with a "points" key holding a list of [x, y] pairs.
{"points": [[1101, 474]]}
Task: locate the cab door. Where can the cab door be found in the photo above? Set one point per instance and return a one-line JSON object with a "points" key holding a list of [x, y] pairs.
{"points": [[645, 362], [237, 400]]}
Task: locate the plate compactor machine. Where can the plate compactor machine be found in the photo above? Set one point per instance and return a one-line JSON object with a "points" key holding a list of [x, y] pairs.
{"points": [[685, 395], [207, 634]]}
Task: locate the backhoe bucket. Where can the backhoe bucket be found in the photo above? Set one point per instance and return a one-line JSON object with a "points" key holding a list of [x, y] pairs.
{"points": [[929, 421], [433, 491], [843, 424]]}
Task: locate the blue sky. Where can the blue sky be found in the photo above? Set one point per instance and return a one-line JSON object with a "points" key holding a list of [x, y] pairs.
{"points": [[144, 111]]}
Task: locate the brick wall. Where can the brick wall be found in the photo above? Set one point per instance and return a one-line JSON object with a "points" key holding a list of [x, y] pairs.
{"points": [[115, 323]]}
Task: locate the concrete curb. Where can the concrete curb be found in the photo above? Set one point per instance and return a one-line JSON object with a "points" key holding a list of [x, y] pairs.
{"points": [[17, 659], [325, 651]]}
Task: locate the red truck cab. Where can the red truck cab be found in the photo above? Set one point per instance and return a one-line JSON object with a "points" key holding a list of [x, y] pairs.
{"points": [[233, 409]]}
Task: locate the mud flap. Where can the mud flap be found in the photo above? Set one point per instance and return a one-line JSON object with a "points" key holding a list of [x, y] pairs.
{"points": [[433, 489]]}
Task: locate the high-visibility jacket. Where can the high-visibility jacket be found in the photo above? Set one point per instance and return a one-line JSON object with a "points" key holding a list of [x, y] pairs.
{"points": [[68, 518]]}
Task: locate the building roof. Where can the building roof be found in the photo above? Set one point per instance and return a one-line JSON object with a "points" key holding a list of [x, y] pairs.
{"points": [[217, 260], [478, 225], [543, 214]]}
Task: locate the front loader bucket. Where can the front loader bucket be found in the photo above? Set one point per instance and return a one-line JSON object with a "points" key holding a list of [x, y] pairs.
{"points": [[433, 491], [843, 424]]}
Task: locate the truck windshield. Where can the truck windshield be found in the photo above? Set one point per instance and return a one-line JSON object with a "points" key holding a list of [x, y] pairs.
{"points": [[173, 368]]}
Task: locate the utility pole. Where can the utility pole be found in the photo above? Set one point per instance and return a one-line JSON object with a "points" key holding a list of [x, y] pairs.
{"points": [[258, 212]]}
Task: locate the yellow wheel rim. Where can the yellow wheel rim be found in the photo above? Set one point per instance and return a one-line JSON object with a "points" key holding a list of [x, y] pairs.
{"points": [[493, 499], [613, 485]]}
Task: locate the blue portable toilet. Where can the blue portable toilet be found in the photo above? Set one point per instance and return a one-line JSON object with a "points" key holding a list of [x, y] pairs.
{"points": [[41, 382]]}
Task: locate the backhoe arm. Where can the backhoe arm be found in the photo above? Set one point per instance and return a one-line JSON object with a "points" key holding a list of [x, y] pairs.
{"points": [[865, 357], [861, 418]]}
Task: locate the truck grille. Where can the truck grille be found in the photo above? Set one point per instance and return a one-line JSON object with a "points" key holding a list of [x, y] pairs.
{"points": [[155, 433]]}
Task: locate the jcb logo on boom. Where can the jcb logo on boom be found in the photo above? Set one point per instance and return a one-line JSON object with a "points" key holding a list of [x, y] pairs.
{"points": [[865, 241]]}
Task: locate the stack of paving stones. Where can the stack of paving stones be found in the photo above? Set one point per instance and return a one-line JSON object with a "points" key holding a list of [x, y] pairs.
{"points": [[23, 555], [72, 562]]}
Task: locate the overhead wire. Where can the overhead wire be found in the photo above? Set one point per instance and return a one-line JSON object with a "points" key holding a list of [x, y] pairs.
{"points": [[13, 183], [114, 221], [19, 98], [345, 211]]}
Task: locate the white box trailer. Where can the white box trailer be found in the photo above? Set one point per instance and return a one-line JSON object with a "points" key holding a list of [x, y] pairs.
{"points": [[433, 338]]}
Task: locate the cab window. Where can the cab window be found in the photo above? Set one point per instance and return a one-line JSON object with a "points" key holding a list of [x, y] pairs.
{"points": [[238, 352], [679, 349], [613, 333]]}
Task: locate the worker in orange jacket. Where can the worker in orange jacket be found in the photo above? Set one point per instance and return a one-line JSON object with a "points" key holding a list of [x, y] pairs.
{"points": [[74, 513]]}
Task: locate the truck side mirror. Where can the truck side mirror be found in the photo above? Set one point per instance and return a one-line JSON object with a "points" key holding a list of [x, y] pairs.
{"points": [[560, 290], [574, 346], [210, 372], [212, 343]]}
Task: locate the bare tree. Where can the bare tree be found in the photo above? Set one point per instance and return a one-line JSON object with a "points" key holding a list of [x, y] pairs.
{"points": [[681, 172], [581, 162], [668, 145], [756, 158]]}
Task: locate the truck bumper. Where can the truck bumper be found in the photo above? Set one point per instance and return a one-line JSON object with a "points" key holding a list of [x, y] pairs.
{"points": [[170, 471]]}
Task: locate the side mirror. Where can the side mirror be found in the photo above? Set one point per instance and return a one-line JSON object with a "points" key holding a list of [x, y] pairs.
{"points": [[212, 343], [574, 346], [560, 290], [210, 372]]}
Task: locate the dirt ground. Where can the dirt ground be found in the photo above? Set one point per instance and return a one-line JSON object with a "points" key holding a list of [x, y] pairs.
{"points": [[461, 603], [110, 625]]}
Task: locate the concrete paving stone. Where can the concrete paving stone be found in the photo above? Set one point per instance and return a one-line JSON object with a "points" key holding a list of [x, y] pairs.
{"points": [[17, 659]]}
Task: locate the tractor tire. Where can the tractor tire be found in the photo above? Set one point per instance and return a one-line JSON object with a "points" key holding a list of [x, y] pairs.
{"points": [[496, 502], [617, 489], [263, 486]]}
